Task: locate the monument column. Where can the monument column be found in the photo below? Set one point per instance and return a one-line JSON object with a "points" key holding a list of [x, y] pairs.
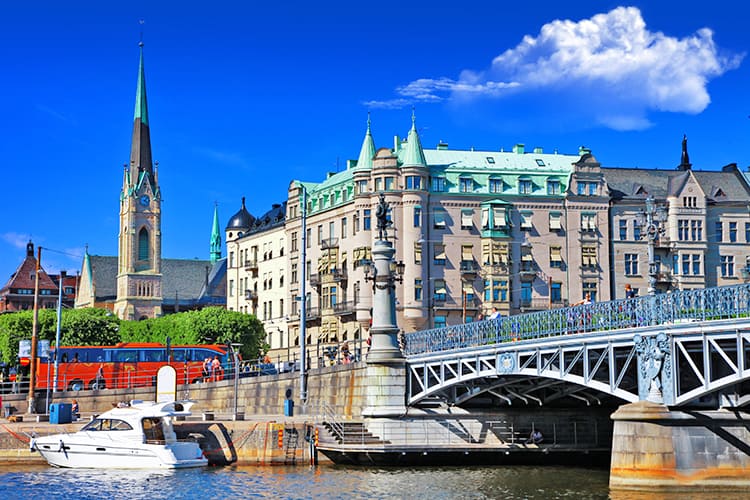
{"points": [[385, 392]]}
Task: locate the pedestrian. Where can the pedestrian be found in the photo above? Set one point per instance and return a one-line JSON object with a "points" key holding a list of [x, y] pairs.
{"points": [[206, 369], [74, 412], [495, 313], [629, 292], [216, 371], [99, 382]]}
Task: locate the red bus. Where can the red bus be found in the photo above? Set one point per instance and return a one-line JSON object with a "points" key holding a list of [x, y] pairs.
{"points": [[126, 365]]}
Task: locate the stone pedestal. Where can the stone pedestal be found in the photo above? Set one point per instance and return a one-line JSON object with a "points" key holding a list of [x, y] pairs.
{"points": [[655, 448], [385, 392]]}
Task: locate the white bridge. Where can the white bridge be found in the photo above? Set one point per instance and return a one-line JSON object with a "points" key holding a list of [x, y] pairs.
{"points": [[685, 348]]}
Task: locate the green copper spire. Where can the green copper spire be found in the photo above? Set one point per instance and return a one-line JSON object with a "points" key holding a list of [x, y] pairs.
{"points": [[140, 148], [414, 155], [367, 153], [141, 107], [215, 237]]}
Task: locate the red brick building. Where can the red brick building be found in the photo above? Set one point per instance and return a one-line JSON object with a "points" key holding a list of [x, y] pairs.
{"points": [[18, 293]]}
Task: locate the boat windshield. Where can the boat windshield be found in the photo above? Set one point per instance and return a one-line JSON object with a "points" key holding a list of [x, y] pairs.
{"points": [[152, 430], [107, 424]]}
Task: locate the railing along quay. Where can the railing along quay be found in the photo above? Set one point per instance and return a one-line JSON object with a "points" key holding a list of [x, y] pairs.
{"points": [[679, 306]]}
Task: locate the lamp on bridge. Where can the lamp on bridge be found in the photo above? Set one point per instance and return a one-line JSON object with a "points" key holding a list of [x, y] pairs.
{"points": [[652, 219]]}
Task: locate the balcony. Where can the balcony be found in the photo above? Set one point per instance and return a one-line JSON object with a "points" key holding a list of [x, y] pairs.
{"points": [[331, 276], [541, 304], [469, 267], [251, 295], [344, 308], [664, 277], [329, 243], [495, 269], [527, 272], [251, 265]]}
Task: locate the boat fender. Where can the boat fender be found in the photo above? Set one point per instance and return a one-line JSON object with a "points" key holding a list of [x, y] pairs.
{"points": [[32, 445]]}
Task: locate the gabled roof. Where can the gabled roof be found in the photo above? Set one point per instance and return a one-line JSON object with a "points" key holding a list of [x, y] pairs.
{"points": [[25, 275]]}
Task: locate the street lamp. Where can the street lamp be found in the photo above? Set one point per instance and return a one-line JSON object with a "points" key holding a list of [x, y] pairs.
{"points": [[235, 353], [652, 220]]}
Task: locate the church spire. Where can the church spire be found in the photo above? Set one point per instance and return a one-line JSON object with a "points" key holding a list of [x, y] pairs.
{"points": [[215, 237], [367, 153], [414, 155], [684, 159], [140, 149]]}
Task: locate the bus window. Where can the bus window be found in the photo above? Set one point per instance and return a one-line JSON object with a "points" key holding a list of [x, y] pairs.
{"points": [[178, 354], [124, 355], [152, 355]]}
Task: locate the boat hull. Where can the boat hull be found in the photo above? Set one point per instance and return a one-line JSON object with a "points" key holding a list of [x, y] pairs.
{"points": [[74, 451]]}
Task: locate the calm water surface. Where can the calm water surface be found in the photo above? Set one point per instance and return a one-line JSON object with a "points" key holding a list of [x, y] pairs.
{"points": [[42, 483]]}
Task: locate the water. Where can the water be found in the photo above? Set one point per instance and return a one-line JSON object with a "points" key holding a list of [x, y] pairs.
{"points": [[330, 482]]}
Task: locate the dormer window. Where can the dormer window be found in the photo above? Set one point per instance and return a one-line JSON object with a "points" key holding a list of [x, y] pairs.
{"points": [[525, 186], [540, 163], [466, 184]]}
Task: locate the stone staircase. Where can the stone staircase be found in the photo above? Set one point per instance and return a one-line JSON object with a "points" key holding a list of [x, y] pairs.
{"points": [[347, 433]]}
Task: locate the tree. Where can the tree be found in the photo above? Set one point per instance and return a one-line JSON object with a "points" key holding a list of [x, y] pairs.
{"points": [[89, 326]]}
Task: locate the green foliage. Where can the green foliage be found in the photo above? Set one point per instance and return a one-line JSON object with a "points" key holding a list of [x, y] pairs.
{"points": [[100, 327], [89, 326]]}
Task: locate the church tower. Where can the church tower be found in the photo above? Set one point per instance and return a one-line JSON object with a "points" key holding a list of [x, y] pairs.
{"points": [[139, 278]]}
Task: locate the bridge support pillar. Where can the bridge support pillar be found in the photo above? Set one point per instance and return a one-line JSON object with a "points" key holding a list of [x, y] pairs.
{"points": [[654, 448]]}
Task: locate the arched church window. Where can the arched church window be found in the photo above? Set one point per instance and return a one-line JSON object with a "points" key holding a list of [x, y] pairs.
{"points": [[143, 251]]}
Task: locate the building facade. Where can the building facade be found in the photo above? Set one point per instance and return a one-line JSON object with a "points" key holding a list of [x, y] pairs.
{"points": [[18, 293]]}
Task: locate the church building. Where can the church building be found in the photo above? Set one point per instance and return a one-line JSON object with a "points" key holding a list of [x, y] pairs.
{"points": [[138, 283]]}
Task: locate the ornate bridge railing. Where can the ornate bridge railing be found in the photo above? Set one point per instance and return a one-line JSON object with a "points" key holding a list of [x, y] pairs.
{"points": [[669, 308]]}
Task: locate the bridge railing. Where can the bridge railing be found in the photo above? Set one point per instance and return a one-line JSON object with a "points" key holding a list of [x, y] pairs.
{"points": [[668, 308]]}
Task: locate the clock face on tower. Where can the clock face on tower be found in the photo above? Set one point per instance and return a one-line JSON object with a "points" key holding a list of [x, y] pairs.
{"points": [[145, 200]]}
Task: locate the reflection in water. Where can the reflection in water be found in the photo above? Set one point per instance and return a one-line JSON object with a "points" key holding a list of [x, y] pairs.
{"points": [[330, 482]]}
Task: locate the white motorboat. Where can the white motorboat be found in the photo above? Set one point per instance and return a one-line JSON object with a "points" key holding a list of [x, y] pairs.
{"points": [[138, 435]]}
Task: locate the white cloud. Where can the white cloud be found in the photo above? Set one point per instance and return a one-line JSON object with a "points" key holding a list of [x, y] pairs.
{"points": [[16, 240], [611, 61]]}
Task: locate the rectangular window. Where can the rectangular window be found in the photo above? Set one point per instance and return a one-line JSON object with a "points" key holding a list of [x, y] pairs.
{"points": [[440, 322], [727, 266], [685, 264], [331, 230], [503, 287], [581, 188], [683, 230], [389, 183], [525, 186], [293, 241], [631, 264], [413, 182], [438, 184], [467, 253], [623, 230], [588, 222], [440, 292], [439, 219], [498, 217], [344, 228], [355, 229], [747, 232], [467, 215], [231, 288], [417, 216], [378, 184], [696, 230], [308, 237], [417, 289], [555, 257], [366, 219], [719, 231], [320, 233], [496, 185], [439, 252], [555, 292], [636, 231], [592, 188], [697, 265], [525, 293], [526, 220], [588, 256], [732, 232], [553, 187], [293, 277], [361, 187], [466, 184], [417, 253], [589, 287], [555, 221]]}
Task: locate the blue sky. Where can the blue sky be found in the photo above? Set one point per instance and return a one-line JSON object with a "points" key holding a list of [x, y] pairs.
{"points": [[246, 96]]}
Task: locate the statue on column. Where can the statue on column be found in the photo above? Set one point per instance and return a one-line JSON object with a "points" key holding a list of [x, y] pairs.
{"points": [[381, 214]]}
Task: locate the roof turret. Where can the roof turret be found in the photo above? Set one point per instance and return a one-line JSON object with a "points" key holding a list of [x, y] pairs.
{"points": [[242, 220], [414, 155], [367, 152]]}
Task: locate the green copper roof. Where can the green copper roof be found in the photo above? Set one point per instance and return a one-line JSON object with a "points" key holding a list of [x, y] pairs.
{"points": [[367, 153], [215, 237], [141, 108], [413, 156]]}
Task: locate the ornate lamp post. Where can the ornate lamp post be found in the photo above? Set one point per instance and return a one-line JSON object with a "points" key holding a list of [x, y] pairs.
{"points": [[652, 221]]}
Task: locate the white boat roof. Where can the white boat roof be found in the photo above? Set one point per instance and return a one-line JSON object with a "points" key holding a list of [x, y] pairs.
{"points": [[139, 409]]}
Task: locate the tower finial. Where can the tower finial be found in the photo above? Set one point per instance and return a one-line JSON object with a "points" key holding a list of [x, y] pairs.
{"points": [[140, 41], [413, 116], [368, 121]]}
